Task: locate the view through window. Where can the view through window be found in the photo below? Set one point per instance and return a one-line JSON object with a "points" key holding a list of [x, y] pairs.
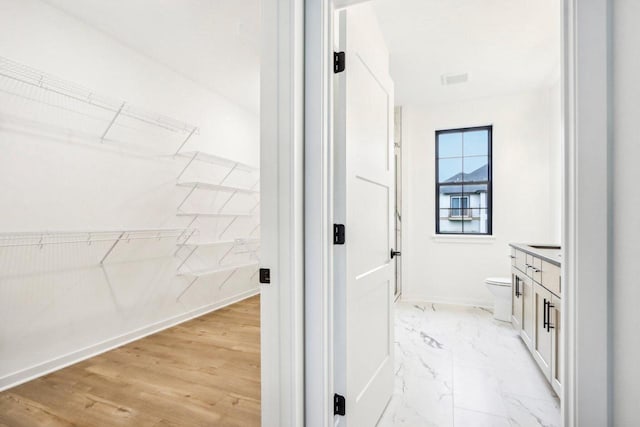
{"points": [[463, 181]]}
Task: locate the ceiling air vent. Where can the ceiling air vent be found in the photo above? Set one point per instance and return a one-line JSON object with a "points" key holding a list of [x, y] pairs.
{"points": [[452, 79]]}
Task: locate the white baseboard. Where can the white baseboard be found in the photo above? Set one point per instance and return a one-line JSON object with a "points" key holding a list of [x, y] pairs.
{"points": [[448, 301], [30, 373]]}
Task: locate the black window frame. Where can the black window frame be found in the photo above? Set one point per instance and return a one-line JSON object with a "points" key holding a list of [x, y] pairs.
{"points": [[488, 182]]}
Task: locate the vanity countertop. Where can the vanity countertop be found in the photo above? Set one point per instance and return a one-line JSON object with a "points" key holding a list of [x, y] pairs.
{"points": [[546, 252]]}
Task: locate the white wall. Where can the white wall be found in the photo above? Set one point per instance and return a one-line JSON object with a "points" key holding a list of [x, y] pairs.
{"points": [[56, 304], [626, 222], [525, 193]]}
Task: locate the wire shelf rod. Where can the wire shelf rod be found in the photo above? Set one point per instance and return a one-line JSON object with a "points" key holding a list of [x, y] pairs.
{"points": [[89, 239], [219, 269], [233, 244], [197, 275], [215, 214], [26, 75], [4, 234], [216, 187], [239, 241], [212, 158]]}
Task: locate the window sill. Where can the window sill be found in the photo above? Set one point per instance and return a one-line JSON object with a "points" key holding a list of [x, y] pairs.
{"points": [[453, 238]]}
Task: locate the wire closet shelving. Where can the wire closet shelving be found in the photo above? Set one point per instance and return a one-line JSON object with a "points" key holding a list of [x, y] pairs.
{"points": [[83, 112], [103, 119]]}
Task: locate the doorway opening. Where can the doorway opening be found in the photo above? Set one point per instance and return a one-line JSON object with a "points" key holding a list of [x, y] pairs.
{"points": [[397, 151], [478, 333]]}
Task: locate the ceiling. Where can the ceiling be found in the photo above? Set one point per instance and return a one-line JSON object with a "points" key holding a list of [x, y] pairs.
{"points": [[215, 43], [505, 46]]}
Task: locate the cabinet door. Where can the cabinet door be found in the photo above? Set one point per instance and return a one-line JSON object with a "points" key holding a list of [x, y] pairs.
{"points": [[521, 261], [542, 334], [556, 344], [528, 313], [517, 286]]}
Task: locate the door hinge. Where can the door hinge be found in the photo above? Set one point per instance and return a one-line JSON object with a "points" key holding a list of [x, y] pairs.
{"points": [[338, 62], [338, 234], [339, 405], [265, 275]]}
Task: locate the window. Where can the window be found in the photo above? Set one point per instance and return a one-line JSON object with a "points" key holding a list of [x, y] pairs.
{"points": [[459, 206], [463, 181]]}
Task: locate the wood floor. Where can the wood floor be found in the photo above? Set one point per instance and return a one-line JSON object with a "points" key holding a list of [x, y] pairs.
{"points": [[205, 372]]}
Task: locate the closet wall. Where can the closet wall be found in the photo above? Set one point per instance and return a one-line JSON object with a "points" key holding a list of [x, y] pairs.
{"points": [[96, 237]]}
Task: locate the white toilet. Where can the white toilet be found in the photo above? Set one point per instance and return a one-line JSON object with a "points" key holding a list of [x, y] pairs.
{"points": [[500, 287]]}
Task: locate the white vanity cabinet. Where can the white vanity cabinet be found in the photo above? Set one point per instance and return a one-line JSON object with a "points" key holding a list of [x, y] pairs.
{"points": [[556, 344], [522, 314], [517, 287], [536, 306], [527, 330], [517, 298], [542, 339]]}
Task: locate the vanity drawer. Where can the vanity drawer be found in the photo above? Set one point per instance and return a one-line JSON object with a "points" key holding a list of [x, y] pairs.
{"points": [[520, 261], [535, 268], [551, 277]]}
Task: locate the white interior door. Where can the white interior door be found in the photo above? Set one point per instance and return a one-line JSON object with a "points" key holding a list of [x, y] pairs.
{"points": [[364, 279]]}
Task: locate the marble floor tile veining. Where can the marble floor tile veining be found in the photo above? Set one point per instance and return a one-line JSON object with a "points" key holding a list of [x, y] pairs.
{"points": [[457, 366]]}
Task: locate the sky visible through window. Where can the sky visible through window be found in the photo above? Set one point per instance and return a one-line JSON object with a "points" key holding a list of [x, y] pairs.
{"points": [[462, 153]]}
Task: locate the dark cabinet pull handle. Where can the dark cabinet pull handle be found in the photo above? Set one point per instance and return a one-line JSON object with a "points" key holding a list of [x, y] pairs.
{"points": [[518, 291], [395, 253], [549, 325], [544, 314]]}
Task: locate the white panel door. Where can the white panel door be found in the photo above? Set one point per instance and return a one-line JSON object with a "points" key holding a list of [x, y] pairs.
{"points": [[364, 279]]}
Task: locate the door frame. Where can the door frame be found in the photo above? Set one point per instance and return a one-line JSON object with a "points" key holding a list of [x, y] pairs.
{"points": [[586, 216], [318, 215], [586, 90], [586, 74], [282, 212]]}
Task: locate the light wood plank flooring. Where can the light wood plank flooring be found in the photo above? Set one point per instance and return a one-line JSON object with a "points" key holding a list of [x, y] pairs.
{"points": [[205, 372]]}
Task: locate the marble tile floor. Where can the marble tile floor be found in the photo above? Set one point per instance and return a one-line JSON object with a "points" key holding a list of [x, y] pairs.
{"points": [[457, 366]]}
